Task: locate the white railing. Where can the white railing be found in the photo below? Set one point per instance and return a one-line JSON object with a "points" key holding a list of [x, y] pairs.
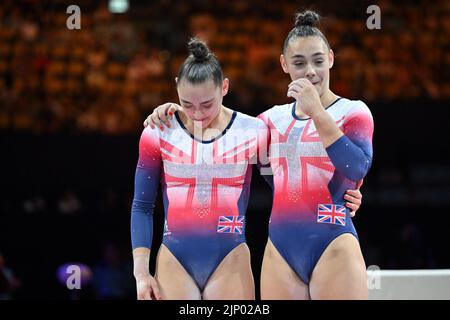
{"points": [[409, 284]]}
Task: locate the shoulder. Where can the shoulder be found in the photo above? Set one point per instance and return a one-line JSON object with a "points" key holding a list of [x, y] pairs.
{"points": [[149, 137], [277, 111], [148, 132], [356, 114], [245, 120], [351, 106]]}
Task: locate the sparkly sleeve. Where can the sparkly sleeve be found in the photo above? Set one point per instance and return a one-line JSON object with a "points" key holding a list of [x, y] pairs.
{"points": [[351, 154], [146, 184]]}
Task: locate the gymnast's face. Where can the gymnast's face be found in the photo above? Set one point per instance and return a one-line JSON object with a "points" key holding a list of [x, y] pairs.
{"points": [[310, 58], [201, 102]]}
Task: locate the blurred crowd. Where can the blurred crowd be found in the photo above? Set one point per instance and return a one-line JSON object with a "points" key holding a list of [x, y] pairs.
{"points": [[112, 72]]}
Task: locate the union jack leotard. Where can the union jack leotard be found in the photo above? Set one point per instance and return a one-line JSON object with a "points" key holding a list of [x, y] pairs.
{"points": [[310, 181], [205, 186]]}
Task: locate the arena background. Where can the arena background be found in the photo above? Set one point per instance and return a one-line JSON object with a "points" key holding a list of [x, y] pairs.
{"points": [[72, 104]]}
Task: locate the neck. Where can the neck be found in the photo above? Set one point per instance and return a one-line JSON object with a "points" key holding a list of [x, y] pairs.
{"points": [[328, 98], [325, 100], [218, 119]]}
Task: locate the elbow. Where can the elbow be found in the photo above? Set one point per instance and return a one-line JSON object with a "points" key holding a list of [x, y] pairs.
{"points": [[356, 175], [357, 172], [142, 207]]}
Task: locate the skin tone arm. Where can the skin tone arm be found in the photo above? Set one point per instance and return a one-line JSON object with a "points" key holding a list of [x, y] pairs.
{"points": [[146, 285]]}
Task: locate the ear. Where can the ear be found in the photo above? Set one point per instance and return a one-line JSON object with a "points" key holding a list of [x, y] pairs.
{"points": [[331, 58], [283, 64], [225, 86]]}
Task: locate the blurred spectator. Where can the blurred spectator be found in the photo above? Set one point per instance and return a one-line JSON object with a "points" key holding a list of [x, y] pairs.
{"points": [[112, 276], [8, 282], [203, 26], [412, 250], [143, 67], [69, 203], [36, 204], [48, 67], [29, 30]]}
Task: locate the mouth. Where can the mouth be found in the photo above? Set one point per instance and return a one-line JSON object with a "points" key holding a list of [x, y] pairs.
{"points": [[201, 122]]}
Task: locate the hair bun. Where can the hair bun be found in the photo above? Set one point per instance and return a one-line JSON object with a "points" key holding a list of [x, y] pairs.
{"points": [[306, 18], [198, 49]]}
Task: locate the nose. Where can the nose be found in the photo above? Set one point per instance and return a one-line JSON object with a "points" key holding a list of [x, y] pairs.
{"points": [[198, 114], [310, 72]]}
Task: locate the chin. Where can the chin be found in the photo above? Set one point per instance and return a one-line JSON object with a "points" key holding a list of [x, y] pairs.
{"points": [[204, 123], [319, 90]]}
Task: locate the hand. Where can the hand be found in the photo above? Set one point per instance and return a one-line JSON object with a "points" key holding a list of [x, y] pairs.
{"points": [[147, 288], [308, 100], [354, 198], [161, 115]]}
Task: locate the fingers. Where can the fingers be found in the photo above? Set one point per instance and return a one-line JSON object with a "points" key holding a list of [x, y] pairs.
{"points": [[148, 122], [353, 208], [296, 87], [359, 183], [166, 112], [160, 116], [294, 92], [143, 290], [352, 199], [173, 108], [294, 95], [144, 293], [148, 289], [163, 117], [302, 82], [155, 290], [147, 295], [154, 119], [355, 199], [355, 194]]}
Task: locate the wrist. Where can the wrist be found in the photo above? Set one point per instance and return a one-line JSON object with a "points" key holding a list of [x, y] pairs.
{"points": [[141, 275], [141, 265], [318, 115]]}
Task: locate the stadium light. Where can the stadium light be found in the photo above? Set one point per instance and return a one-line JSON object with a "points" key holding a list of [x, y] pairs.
{"points": [[118, 6]]}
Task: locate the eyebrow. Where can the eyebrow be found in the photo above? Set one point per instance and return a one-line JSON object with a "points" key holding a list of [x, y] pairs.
{"points": [[301, 56], [204, 102]]}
